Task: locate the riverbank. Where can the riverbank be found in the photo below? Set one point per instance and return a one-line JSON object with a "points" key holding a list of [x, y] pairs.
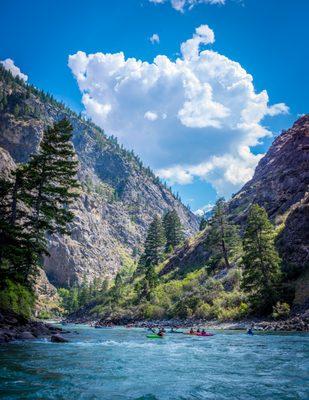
{"points": [[16, 327], [296, 323]]}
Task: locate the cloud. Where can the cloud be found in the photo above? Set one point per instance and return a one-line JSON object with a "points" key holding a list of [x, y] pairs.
{"points": [[203, 35], [155, 38], [151, 116], [204, 210], [182, 5], [196, 117], [10, 66]]}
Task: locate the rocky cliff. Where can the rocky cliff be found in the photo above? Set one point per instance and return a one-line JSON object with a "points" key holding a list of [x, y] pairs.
{"points": [[119, 196], [281, 178], [280, 184]]}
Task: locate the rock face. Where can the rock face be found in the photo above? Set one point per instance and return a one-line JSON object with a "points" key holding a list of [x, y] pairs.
{"points": [[47, 298], [280, 184], [119, 196], [281, 178]]}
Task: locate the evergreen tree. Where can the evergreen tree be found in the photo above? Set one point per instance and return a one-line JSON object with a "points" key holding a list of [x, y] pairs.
{"points": [[173, 230], [203, 223], [51, 184], [261, 261], [34, 201], [116, 291], [223, 239], [16, 110], [17, 254], [154, 244], [84, 293]]}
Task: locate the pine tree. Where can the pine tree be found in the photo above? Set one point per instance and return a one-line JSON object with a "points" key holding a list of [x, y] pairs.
{"points": [[261, 261], [173, 230], [51, 183], [223, 239], [116, 291], [154, 244], [34, 201], [150, 281], [16, 110], [17, 255], [203, 223]]}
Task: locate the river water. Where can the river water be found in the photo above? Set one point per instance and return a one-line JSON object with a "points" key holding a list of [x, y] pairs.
{"points": [[123, 364]]}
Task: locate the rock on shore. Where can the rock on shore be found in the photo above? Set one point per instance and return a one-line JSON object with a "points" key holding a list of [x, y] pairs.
{"points": [[17, 327]]}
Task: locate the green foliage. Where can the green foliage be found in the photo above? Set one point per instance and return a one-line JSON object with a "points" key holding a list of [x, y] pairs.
{"points": [[44, 314], [173, 230], [34, 201], [281, 310], [154, 244], [261, 261], [203, 223], [78, 296], [17, 297], [16, 110], [223, 240]]}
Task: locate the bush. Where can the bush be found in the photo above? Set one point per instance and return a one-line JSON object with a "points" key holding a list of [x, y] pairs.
{"points": [[204, 311], [17, 298], [153, 312], [281, 310], [44, 314]]}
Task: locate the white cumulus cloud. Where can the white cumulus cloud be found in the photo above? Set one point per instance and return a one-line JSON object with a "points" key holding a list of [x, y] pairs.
{"points": [[151, 116], [203, 210], [155, 38], [181, 5], [196, 117], [10, 66]]}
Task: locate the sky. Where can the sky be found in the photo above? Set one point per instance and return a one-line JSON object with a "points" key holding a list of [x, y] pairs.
{"points": [[198, 88]]}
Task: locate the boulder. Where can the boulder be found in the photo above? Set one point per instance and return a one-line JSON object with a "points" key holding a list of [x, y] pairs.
{"points": [[58, 339], [25, 336]]}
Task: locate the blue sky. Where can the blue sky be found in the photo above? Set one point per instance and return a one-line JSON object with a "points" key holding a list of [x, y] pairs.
{"points": [[267, 38]]}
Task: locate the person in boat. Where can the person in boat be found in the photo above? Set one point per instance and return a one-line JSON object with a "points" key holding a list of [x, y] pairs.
{"points": [[191, 331], [250, 331], [151, 328], [172, 330], [203, 332], [198, 330], [161, 332]]}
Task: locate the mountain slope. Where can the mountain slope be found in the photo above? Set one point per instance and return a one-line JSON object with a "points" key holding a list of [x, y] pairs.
{"points": [[119, 196], [281, 178], [280, 184]]}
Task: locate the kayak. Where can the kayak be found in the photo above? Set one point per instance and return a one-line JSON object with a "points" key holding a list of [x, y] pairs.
{"points": [[154, 336]]}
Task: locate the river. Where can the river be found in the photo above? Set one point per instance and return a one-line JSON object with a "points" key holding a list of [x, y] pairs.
{"points": [[122, 364]]}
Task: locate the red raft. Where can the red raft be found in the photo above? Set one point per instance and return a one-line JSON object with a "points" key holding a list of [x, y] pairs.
{"points": [[199, 334]]}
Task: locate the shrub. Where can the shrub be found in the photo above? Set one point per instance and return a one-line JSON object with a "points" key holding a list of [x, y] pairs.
{"points": [[153, 312], [44, 314], [17, 298], [281, 310], [204, 311]]}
